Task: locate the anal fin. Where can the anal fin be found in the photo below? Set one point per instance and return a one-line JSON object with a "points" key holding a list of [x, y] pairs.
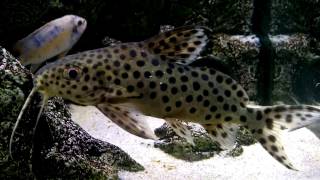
{"points": [[127, 121], [224, 134], [180, 129]]}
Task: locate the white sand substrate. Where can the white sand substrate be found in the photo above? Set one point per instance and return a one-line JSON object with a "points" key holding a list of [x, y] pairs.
{"points": [[302, 147]]}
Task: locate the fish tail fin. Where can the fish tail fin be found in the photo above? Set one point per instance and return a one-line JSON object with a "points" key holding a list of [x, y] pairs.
{"points": [[182, 45], [267, 122], [17, 52]]}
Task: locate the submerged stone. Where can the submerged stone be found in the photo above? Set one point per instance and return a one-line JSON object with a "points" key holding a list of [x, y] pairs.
{"points": [[204, 146], [59, 149]]}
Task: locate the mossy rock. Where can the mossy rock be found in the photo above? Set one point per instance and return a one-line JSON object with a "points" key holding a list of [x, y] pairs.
{"points": [[204, 146], [59, 149]]}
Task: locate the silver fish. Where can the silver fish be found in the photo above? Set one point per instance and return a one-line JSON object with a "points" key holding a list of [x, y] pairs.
{"points": [[55, 38]]}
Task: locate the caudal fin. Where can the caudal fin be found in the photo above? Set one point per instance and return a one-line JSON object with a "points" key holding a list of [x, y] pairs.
{"points": [[268, 121]]}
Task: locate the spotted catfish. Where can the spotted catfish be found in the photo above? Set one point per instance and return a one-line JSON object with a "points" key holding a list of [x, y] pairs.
{"points": [[153, 78]]}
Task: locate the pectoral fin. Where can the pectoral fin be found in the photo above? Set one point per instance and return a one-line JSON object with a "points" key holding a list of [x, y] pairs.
{"points": [[127, 120]]}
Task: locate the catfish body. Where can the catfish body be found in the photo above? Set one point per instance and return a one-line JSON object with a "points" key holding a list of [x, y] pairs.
{"points": [[154, 78]]}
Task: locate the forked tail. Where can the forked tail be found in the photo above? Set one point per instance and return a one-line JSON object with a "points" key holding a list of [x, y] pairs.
{"points": [[266, 123]]}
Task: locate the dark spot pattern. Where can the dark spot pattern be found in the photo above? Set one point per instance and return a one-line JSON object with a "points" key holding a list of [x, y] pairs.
{"points": [[178, 104], [259, 115], [243, 118], [206, 103], [269, 123], [213, 108], [192, 110], [220, 99], [140, 63], [153, 95], [174, 90], [152, 85], [189, 98], [184, 88], [233, 108], [208, 117], [228, 118], [274, 148], [133, 53], [272, 138], [196, 86], [155, 62], [165, 99], [163, 86], [262, 141], [219, 79], [130, 88], [136, 74], [172, 80], [168, 109]]}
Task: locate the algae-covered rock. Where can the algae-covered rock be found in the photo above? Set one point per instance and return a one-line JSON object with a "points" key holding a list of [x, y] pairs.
{"points": [[299, 16], [71, 152], [178, 147], [223, 16], [59, 148], [297, 69], [14, 79], [204, 146]]}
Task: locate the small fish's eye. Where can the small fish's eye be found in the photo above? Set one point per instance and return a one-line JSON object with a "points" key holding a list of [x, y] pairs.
{"points": [[72, 73], [80, 23]]}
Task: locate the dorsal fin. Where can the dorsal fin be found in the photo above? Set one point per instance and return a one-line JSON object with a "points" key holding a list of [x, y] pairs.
{"points": [[182, 45]]}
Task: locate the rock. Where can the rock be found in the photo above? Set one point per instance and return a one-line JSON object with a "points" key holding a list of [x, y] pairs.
{"points": [[227, 16], [14, 80], [178, 147], [204, 147], [300, 16], [297, 69], [59, 148]]}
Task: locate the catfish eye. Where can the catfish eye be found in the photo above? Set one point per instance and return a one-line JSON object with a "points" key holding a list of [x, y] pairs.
{"points": [[72, 73]]}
